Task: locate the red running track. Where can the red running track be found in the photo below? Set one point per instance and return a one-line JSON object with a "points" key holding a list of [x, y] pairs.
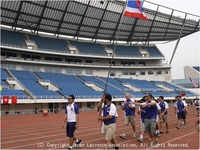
{"points": [[37, 132]]}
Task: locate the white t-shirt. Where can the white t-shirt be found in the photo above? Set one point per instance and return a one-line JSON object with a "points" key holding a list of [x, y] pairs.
{"points": [[158, 106], [71, 111], [198, 103]]}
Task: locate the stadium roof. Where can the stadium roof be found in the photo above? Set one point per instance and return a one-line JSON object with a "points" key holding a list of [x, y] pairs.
{"points": [[95, 20]]}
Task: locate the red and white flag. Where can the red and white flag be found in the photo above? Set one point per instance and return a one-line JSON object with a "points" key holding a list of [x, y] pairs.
{"points": [[194, 83], [134, 9]]}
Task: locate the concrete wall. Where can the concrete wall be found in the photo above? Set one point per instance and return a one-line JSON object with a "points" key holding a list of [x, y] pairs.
{"points": [[189, 71]]}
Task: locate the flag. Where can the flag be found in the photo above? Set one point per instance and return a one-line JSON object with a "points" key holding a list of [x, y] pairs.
{"points": [[193, 82], [134, 9]]}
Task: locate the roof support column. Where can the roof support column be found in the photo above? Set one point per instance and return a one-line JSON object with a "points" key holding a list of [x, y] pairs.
{"points": [[175, 48]]}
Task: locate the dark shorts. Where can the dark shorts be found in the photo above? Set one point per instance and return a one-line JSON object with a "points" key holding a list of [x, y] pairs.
{"points": [[150, 125], [70, 129], [181, 115]]}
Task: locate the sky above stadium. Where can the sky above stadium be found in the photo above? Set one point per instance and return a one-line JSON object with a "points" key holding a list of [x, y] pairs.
{"points": [[188, 49]]}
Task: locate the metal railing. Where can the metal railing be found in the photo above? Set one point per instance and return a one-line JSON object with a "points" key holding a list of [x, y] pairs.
{"points": [[92, 64]]}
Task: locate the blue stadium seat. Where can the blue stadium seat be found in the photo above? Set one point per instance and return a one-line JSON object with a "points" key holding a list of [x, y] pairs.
{"points": [[49, 43], [18, 93], [31, 83], [70, 84], [137, 94], [4, 76], [153, 51], [144, 85], [111, 90], [17, 38], [125, 51], [115, 83], [3, 85], [89, 48], [171, 86]]}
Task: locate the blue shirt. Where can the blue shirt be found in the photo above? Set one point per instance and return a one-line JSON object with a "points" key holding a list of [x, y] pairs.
{"points": [[151, 111], [163, 107], [180, 106], [109, 110], [129, 111]]}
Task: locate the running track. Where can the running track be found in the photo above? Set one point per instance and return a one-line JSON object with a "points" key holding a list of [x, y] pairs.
{"points": [[37, 132]]}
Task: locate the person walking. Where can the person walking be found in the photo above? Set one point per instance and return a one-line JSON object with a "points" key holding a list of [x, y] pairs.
{"points": [[71, 121], [163, 117], [180, 107], [109, 120], [129, 109], [151, 111]]}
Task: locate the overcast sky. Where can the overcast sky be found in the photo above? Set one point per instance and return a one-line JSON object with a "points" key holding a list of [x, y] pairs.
{"points": [[187, 52]]}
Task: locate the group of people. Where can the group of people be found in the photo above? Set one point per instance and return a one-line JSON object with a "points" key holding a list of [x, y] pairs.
{"points": [[152, 117], [153, 114]]}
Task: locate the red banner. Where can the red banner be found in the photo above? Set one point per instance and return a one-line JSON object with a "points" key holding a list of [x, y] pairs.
{"points": [[5, 100], [14, 99]]}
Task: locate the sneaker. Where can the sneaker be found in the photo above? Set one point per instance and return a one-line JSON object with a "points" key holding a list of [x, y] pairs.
{"points": [[78, 142], [134, 135], [139, 139], [69, 148], [122, 136], [177, 128], [167, 131], [161, 132], [110, 146]]}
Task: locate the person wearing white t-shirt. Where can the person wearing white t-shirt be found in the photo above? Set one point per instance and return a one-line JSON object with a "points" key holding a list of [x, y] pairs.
{"points": [[163, 117], [72, 119], [107, 116], [129, 109], [180, 107]]}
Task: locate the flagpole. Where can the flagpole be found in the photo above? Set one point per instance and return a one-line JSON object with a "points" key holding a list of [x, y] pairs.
{"points": [[115, 45]]}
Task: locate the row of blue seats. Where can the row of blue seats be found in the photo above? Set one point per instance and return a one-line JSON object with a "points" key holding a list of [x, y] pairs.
{"points": [[71, 84], [9, 37], [109, 89], [171, 86], [17, 93], [144, 85], [68, 84], [4, 76], [30, 82]]}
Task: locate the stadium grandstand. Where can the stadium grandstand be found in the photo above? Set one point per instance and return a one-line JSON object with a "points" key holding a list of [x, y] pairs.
{"points": [[50, 50]]}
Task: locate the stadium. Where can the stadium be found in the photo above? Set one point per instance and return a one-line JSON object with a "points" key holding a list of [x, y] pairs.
{"points": [[51, 49]]}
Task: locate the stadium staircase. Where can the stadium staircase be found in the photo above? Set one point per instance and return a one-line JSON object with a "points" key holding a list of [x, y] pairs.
{"points": [[111, 84], [91, 85], [164, 87], [131, 86], [25, 90], [50, 82]]}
